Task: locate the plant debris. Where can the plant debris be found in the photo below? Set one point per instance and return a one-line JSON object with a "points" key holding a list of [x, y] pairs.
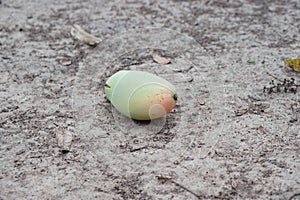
{"points": [[293, 63], [160, 59], [251, 61], [287, 86], [169, 178], [241, 112], [78, 33], [262, 129], [64, 139], [258, 108], [164, 176]]}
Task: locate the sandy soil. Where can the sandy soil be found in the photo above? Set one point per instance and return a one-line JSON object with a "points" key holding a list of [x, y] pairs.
{"points": [[243, 143]]}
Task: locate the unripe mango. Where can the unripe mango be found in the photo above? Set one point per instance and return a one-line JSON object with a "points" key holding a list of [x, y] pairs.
{"points": [[140, 95]]}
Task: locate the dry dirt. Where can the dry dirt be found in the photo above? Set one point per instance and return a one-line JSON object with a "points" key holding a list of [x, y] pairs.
{"points": [[243, 143]]}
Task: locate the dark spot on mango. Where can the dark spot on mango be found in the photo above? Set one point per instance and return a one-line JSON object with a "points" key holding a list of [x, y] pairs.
{"points": [[175, 97]]}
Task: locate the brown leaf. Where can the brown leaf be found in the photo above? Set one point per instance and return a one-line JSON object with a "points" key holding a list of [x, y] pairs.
{"points": [[241, 112], [262, 129], [64, 139], [78, 33], [159, 59]]}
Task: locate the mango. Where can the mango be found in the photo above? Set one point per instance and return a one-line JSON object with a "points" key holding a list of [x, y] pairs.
{"points": [[140, 95]]}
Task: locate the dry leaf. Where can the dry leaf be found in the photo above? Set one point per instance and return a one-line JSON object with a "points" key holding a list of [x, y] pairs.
{"points": [[293, 63], [201, 101], [64, 139], [262, 129], [159, 59], [241, 112], [78, 33], [164, 176]]}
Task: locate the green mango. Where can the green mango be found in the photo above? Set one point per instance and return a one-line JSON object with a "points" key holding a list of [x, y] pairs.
{"points": [[140, 95]]}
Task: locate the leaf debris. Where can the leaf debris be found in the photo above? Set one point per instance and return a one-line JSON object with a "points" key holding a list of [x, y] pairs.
{"points": [[251, 61], [164, 176], [293, 63], [262, 129], [241, 112], [160, 59], [83, 36]]}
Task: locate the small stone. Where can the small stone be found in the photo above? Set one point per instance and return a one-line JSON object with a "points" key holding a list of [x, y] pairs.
{"points": [[201, 101], [65, 61]]}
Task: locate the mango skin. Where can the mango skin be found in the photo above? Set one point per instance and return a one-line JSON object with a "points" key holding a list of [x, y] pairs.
{"points": [[140, 95]]}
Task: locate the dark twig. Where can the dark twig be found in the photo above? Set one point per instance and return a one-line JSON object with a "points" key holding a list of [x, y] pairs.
{"points": [[295, 195], [186, 189]]}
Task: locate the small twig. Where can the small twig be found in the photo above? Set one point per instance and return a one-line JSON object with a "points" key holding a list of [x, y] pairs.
{"points": [[186, 189], [139, 148], [295, 195], [278, 79]]}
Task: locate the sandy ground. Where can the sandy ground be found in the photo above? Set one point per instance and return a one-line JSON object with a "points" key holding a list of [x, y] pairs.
{"points": [[243, 143]]}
